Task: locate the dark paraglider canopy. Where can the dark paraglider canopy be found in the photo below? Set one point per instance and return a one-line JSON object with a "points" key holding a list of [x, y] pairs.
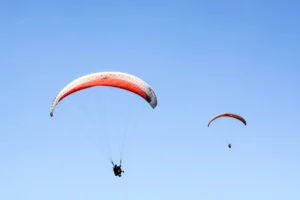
{"points": [[232, 115]]}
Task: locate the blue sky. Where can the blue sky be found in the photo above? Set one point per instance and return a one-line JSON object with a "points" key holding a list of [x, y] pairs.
{"points": [[201, 58]]}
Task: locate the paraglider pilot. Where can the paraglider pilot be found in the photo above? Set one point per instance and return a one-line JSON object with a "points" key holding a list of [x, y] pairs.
{"points": [[117, 170], [229, 146]]}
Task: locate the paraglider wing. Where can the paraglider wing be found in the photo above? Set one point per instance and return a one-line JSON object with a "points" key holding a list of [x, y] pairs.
{"points": [[228, 115], [113, 79]]}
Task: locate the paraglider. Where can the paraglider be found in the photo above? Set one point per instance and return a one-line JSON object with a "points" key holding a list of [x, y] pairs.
{"points": [[231, 115], [117, 169], [112, 79]]}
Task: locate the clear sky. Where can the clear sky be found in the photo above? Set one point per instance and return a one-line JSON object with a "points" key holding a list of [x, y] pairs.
{"points": [[201, 58]]}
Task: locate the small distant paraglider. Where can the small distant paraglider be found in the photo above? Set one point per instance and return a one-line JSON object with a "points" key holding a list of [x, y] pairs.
{"points": [[232, 115]]}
